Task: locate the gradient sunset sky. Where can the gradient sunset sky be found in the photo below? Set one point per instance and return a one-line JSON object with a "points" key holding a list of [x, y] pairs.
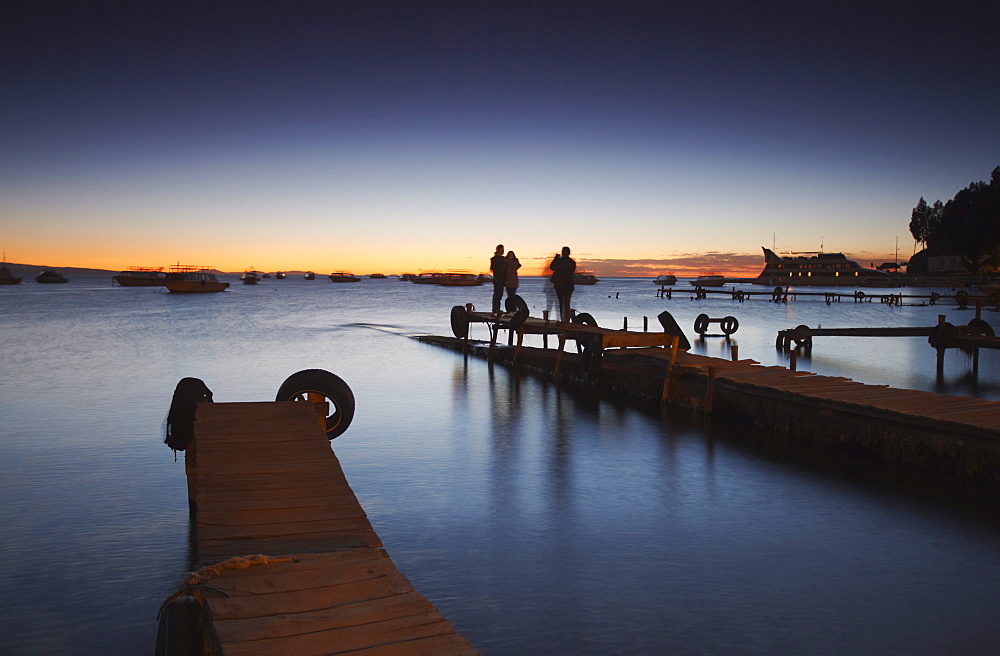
{"points": [[411, 136]]}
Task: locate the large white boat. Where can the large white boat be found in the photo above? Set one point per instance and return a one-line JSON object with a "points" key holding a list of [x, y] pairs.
{"points": [[818, 269], [189, 279], [665, 279]]}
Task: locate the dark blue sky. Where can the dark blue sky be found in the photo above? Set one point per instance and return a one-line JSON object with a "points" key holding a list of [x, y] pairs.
{"points": [[798, 122]]}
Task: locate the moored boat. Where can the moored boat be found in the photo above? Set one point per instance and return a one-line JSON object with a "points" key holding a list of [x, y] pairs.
{"points": [[140, 277], [8, 278], [425, 278], [376, 275], [280, 275], [51, 277], [665, 279], [250, 277], [310, 276], [709, 280], [818, 268], [343, 276], [458, 280], [584, 278], [190, 279]]}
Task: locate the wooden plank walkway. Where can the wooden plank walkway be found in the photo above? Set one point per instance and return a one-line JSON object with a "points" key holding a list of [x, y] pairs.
{"points": [[262, 479], [957, 411]]}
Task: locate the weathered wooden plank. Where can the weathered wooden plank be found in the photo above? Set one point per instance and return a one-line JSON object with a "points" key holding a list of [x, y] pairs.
{"points": [[310, 599], [319, 527], [279, 515], [210, 551], [349, 639], [288, 624]]}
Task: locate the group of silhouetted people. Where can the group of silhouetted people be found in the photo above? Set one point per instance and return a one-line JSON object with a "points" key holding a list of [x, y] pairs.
{"points": [[504, 268]]}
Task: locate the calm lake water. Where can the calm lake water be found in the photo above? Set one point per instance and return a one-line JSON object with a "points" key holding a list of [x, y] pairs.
{"points": [[539, 521]]}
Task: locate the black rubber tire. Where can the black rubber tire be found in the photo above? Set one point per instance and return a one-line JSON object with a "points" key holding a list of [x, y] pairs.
{"points": [[517, 305], [332, 387], [730, 325], [586, 319], [803, 341], [701, 324], [460, 322], [980, 328], [942, 334]]}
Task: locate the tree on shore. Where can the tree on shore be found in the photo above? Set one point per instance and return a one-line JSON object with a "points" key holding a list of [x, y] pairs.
{"points": [[967, 225]]}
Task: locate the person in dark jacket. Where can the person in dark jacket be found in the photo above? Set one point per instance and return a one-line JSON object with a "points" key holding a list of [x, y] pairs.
{"points": [[563, 267], [511, 281], [498, 265]]}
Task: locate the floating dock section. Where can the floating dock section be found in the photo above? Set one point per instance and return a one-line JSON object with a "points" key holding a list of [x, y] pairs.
{"points": [[288, 561]]}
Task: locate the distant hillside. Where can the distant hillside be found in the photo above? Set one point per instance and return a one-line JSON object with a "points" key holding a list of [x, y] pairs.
{"points": [[35, 269]]}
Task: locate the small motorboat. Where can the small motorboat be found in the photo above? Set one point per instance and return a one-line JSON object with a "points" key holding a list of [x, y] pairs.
{"points": [[584, 278], [280, 275], [51, 277], [343, 276], [310, 276], [376, 275], [665, 280], [250, 277]]}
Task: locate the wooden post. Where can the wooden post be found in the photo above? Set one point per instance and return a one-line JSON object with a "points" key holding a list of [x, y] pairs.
{"points": [[710, 392], [625, 323], [734, 351], [520, 340], [674, 343], [645, 324], [792, 359], [321, 406]]}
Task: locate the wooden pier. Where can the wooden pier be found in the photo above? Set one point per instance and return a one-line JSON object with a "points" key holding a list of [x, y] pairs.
{"points": [[962, 298], [950, 439], [263, 481]]}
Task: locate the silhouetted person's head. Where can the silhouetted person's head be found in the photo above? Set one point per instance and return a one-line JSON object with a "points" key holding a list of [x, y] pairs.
{"points": [[565, 251], [511, 256], [499, 249]]}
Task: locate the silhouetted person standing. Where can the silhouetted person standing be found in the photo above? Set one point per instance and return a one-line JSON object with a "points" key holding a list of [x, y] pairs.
{"points": [[511, 281], [498, 265], [563, 267]]}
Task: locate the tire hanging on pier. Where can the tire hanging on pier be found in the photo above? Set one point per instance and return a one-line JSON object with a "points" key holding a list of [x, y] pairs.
{"points": [[804, 341], [942, 335], [980, 328], [460, 322], [180, 419], [321, 383], [729, 325], [584, 319]]}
